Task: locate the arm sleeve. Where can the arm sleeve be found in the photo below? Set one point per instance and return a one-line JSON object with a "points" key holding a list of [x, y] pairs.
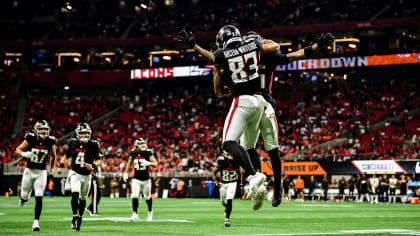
{"points": [[281, 59], [97, 156], [69, 149], [216, 58]]}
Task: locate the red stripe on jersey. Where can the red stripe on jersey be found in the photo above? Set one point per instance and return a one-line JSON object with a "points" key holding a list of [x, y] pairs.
{"points": [[271, 83], [231, 114], [277, 128]]}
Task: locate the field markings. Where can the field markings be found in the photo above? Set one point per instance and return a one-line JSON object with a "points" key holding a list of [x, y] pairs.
{"points": [[122, 219], [322, 205], [343, 232], [2, 214]]}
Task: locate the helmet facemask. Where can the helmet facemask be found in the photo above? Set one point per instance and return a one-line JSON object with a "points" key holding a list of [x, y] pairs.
{"points": [[42, 129]]}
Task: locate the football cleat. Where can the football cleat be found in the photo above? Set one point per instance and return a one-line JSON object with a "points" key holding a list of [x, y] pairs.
{"points": [[258, 199], [21, 202], [96, 214], [78, 223], [134, 217], [278, 195], [150, 215], [74, 222], [227, 224], [255, 182], [35, 226], [89, 211]]}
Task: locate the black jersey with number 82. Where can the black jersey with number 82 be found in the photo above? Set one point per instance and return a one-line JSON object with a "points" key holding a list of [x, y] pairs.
{"points": [[229, 170], [240, 67]]}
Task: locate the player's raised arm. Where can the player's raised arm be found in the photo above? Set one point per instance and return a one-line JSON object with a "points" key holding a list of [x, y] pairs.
{"points": [[187, 37], [270, 47], [322, 42]]}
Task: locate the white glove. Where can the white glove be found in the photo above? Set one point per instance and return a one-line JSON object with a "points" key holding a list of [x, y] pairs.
{"points": [[125, 176], [27, 155], [144, 162]]}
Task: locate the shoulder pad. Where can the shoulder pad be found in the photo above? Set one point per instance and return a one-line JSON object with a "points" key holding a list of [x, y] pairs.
{"points": [[220, 158], [30, 135], [53, 139], [94, 142]]}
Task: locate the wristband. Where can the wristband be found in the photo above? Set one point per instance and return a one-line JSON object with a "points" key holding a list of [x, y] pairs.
{"points": [[309, 51], [61, 165]]}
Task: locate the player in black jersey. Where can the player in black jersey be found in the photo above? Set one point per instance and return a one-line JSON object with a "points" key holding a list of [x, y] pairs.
{"points": [[227, 181], [84, 154], [38, 148], [268, 123], [141, 157]]}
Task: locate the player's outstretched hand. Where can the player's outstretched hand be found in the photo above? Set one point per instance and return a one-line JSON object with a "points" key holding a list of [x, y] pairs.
{"points": [[325, 40], [187, 37], [88, 166], [27, 155]]}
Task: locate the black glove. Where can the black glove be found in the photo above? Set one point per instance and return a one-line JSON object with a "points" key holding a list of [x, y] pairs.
{"points": [[325, 40], [187, 37]]}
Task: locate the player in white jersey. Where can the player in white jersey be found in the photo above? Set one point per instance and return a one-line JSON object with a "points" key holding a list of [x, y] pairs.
{"points": [[374, 184], [37, 148], [392, 187]]}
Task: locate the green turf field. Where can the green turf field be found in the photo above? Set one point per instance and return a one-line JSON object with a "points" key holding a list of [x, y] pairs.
{"points": [[205, 217]]}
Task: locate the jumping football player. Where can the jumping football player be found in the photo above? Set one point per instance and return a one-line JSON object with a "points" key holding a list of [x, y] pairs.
{"points": [[268, 123], [228, 181], [37, 148], [142, 158], [84, 154]]}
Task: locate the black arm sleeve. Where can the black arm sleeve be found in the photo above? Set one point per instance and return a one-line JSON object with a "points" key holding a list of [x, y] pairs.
{"points": [[281, 59]]}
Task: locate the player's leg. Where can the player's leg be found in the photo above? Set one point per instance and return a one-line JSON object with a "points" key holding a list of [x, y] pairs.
{"points": [[26, 187], [39, 186], [269, 132], [75, 186], [91, 207], [147, 190], [244, 109], [223, 200], [135, 187], [235, 123], [230, 194], [84, 191]]}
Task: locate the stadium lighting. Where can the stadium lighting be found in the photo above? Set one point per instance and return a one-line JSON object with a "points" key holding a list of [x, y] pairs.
{"points": [[68, 6], [66, 54], [166, 57], [66, 87], [76, 59], [144, 6], [352, 45], [347, 40]]}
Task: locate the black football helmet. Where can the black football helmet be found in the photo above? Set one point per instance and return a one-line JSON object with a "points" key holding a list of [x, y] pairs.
{"points": [[227, 36], [42, 129], [83, 132]]}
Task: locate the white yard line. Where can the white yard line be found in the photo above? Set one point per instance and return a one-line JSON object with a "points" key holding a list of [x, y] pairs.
{"points": [[344, 232], [122, 219]]}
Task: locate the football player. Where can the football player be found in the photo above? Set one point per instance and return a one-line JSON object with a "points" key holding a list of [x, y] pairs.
{"points": [[84, 155], [268, 123], [228, 180], [38, 147], [142, 158]]}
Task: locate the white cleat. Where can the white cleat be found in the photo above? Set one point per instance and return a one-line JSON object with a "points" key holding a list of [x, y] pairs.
{"points": [[255, 182], [150, 215], [21, 202], [134, 217], [227, 223], [35, 226], [258, 199]]}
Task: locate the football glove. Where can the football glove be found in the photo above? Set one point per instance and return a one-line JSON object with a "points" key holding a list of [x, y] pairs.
{"points": [[324, 40], [187, 37], [144, 162], [125, 176], [27, 155]]}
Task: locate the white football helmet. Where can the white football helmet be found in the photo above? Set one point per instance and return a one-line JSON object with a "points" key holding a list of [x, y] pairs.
{"points": [[42, 129], [83, 132], [140, 144]]}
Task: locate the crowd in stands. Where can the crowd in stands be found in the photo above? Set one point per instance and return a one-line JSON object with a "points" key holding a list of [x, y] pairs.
{"points": [[184, 127], [85, 19]]}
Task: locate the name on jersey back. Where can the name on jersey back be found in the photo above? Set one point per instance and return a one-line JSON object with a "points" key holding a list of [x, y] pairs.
{"points": [[243, 49]]}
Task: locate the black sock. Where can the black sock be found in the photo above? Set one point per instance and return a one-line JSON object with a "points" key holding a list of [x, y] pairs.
{"points": [[75, 202], [82, 205], [228, 209], [240, 156], [135, 204], [38, 207], [255, 158], [276, 164], [149, 204]]}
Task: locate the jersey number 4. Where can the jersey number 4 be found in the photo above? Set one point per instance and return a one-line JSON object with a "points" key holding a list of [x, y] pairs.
{"points": [[80, 159], [244, 67]]}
